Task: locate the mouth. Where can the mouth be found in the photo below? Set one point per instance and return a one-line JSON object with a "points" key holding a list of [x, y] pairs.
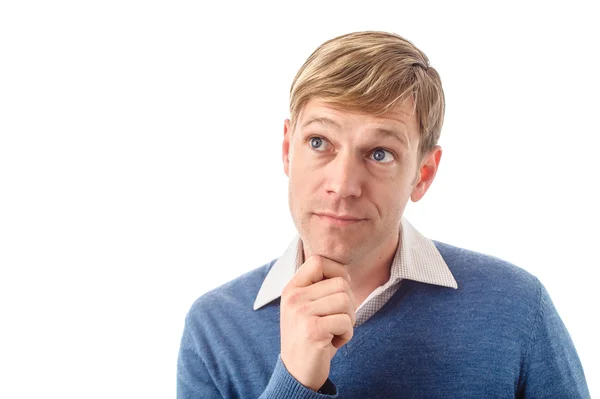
{"points": [[338, 220]]}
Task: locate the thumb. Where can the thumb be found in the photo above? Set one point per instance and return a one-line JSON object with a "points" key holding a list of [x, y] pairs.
{"points": [[332, 349]]}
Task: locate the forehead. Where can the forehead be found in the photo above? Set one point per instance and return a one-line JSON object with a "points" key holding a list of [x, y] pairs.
{"points": [[403, 113]]}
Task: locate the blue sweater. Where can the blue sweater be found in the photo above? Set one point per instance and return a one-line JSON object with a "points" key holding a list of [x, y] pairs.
{"points": [[497, 336]]}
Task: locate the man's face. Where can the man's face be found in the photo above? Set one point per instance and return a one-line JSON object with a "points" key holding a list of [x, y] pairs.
{"points": [[350, 178]]}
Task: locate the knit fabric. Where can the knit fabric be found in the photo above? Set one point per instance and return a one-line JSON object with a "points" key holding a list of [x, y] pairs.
{"points": [[497, 335]]}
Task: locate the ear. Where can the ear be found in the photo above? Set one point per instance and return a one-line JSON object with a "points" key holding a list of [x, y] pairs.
{"points": [[285, 147], [427, 171]]}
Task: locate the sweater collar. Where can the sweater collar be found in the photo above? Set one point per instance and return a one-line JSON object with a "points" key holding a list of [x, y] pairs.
{"points": [[416, 259]]}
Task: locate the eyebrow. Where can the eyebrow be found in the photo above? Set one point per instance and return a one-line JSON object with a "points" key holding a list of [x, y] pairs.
{"points": [[380, 131], [322, 121]]}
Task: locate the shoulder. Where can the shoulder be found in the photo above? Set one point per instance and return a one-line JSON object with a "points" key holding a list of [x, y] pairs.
{"points": [[237, 295], [475, 271]]}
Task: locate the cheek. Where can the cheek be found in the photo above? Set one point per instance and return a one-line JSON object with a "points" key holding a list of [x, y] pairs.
{"points": [[301, 182], [303, 171], [391, 196]]}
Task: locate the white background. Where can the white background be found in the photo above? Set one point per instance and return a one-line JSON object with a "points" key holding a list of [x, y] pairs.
{"points": [[140, 166]]}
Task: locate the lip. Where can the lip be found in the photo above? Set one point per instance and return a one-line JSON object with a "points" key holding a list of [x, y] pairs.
{"points": [[338, 220]]}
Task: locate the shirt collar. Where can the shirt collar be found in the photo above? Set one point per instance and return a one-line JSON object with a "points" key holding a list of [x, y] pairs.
{"points": [[416, 259]]}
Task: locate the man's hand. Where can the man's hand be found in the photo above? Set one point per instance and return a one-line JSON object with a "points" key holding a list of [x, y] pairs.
{"points": [[318, 312]]}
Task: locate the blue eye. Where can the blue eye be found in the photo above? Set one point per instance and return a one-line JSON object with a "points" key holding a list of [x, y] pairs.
{"points": [[316, 143], [380, 155]]}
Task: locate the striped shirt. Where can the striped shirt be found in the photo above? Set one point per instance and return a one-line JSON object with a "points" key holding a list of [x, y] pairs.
{"points": [[416, 259]]}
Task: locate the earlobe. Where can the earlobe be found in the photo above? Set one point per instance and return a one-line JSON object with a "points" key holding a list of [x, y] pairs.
{"points": [[417, 193]]}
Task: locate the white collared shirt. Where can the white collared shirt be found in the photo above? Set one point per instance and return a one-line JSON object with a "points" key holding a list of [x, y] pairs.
{"points": [[416, 259]]}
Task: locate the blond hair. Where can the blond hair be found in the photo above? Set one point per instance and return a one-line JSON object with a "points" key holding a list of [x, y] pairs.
{"points": [[371, 72]]}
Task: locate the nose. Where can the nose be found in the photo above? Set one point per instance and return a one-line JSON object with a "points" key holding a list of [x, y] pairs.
{"points": [[343, 176]]}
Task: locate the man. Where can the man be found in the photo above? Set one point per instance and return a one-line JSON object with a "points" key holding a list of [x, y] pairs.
{"points": [[361, 305]]}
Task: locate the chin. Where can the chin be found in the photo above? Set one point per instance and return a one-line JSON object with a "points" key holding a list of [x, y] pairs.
{"points": [[333, 249]]}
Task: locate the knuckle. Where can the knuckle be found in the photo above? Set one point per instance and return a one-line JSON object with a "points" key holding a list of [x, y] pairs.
{"points": [[313, 329], [294, 297], [348, 321], [290, 297], [350, 329], [305, 309], [340, 284], [345, 299]]}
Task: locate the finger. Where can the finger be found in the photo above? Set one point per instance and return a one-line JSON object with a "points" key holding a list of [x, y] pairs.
{"points": [[339, 303], [337, 327], [337, 342], [328, 287], [317, 268]]}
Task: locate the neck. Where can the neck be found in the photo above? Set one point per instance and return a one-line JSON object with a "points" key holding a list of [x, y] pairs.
{"points": [[372, 271]]}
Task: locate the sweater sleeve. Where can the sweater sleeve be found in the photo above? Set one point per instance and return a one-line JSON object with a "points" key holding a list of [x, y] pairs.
{"points": [[283, 385], [551, 367], [193, 379]]}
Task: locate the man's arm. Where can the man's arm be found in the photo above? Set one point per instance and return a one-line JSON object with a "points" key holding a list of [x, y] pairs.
{"points": [[283, 385], [193, 378], [551, 367]]}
